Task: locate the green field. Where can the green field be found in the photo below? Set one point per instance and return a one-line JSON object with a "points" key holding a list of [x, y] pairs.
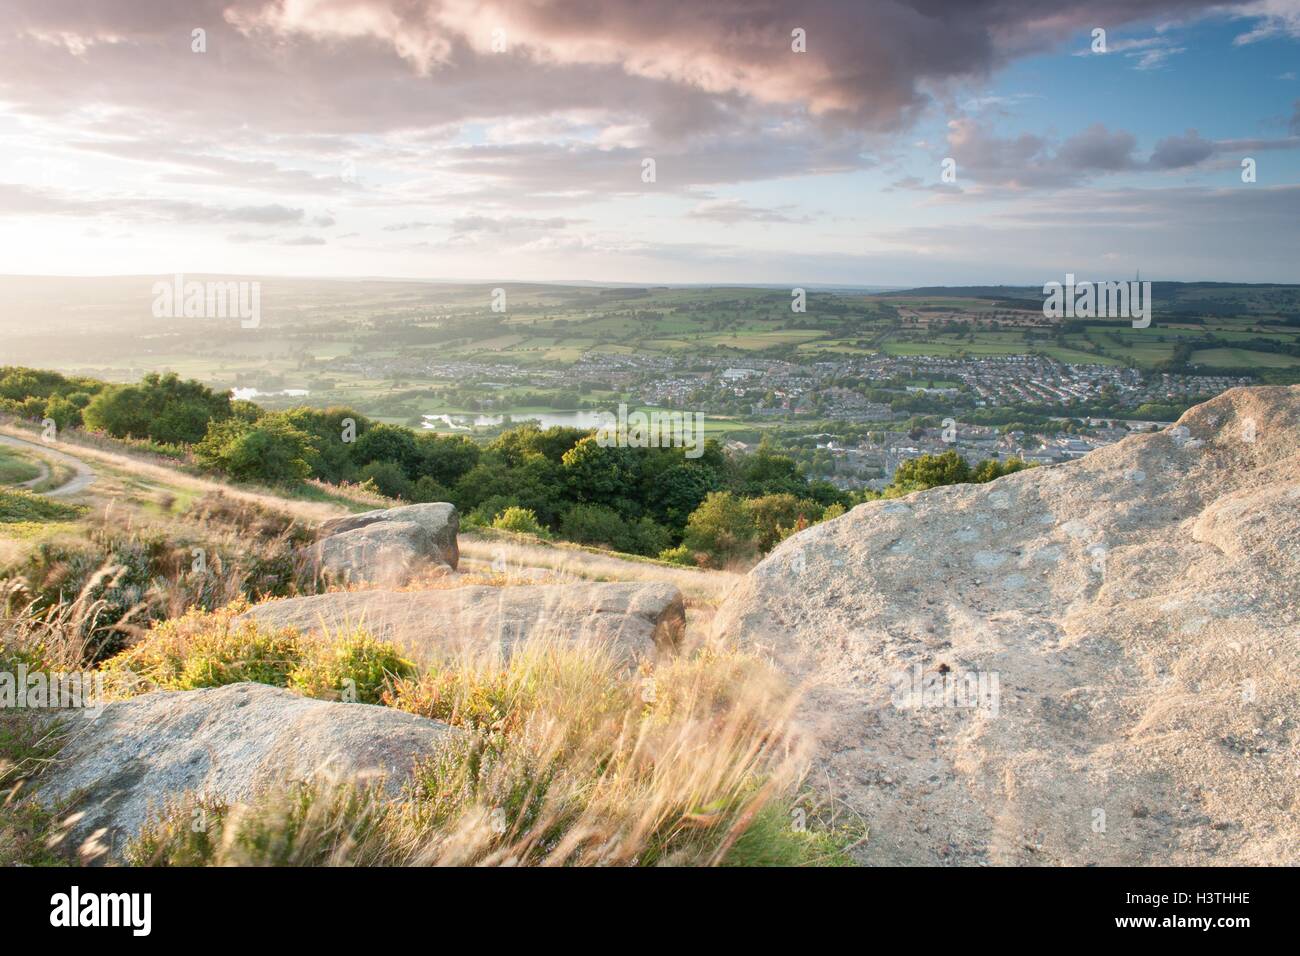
{"points": [[17, 467], [398, 350], [1241, 358]]}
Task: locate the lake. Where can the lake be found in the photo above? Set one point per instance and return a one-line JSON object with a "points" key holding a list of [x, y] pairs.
{"points": [[582, 419]]}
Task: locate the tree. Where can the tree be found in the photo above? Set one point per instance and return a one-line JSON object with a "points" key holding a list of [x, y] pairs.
{"points": [[516, 444], [334, 458], [992, 468], [776, 517], [445, 458], [158, 407], [391, 443], [929, 471], [268, 450], [535, 484], [675, 493], [722, 529], [766, 473], [601, 525], [597, 473], [388, 478]]}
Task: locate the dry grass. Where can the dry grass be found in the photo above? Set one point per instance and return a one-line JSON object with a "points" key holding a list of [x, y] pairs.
{"points": [[136, 465], [573, 562], [566, 756]]}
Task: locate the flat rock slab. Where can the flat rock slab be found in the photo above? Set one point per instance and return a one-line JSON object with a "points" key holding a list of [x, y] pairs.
{"points": [[226, 742], [1088, 663], [635, 618]]}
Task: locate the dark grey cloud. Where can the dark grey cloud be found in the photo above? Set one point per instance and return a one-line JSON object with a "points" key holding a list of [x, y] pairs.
{"points": [[1177, 152], [331, 67], [1031, 161], [1098, 149]]}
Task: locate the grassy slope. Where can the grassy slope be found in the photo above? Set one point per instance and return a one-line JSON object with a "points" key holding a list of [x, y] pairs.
{"points": [[554, 720]]}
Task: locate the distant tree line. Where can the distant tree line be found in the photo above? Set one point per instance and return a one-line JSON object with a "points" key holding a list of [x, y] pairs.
{"points": [[711, 510]]}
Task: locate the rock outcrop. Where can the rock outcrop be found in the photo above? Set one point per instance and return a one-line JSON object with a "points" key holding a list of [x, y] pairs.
{"points": [[224, 742], [633, 618], [390, 546], [1086, 663]]}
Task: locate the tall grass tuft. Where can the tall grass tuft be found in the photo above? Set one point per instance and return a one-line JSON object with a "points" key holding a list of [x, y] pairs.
{"points": [[566, 756]]}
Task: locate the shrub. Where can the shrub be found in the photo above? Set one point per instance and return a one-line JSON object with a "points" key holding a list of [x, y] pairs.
{"points": [[205, 649], [267, 450], [18, 504], [776, 517], [678, 555], [594, 524], [722, 528], [354, 667], [518, 520], [388, 479]]}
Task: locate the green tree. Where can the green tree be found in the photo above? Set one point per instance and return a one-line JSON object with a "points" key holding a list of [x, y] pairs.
{"points": [[601, 474], [445, 458], [675, 493], [159, 407], [269, 450], [767, 473], [776, 517], [388, 478], [334, 458], [992, 468], [722, 529], [929, 471], [391, 443]]}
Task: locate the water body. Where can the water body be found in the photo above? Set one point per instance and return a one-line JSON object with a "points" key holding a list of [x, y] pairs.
{"points": [[464, 423]]}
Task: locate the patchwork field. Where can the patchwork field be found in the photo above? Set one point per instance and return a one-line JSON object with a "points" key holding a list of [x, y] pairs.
{"points": [[399, 350]]}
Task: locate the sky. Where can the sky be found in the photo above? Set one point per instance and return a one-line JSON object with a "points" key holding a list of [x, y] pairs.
{"points": [[799, 143]]}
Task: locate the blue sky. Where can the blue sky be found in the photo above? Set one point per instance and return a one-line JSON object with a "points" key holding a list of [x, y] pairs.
{"points": [[370, 137]]}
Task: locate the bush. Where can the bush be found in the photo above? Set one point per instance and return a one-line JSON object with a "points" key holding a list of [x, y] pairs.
{"points": [[722, 529], [388, 479], [205, 649], [518, 520], [776, 517], [678, 555], [159, 407], [594, 524], [269, 450], [428, 488], [354, 667], [18, 504]]}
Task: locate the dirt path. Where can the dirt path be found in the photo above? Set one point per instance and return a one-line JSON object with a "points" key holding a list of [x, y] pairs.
{"points": [[82, 479]]}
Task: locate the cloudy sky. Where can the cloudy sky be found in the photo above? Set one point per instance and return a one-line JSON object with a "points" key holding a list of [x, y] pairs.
{"points": [[474, 140]]}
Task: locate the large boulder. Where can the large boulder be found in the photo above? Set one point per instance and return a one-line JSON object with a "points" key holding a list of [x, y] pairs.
{"points": [[224, 742], [635, 619], [1087, 663], [389, 546]]}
